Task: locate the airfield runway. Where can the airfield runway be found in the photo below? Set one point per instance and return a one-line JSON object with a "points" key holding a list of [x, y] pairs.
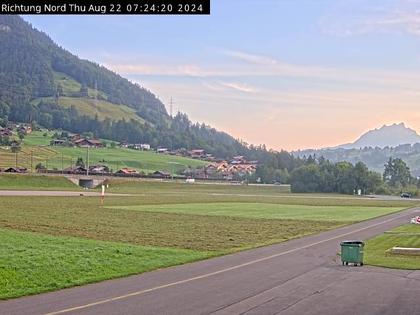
{"points": [[302, 276]]}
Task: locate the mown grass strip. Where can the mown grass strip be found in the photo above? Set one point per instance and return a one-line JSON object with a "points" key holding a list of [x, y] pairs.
{"points": [[271, 211], [377, 250]]}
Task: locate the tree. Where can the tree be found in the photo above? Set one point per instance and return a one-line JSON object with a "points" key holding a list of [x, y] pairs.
{"points": [[306, 178], [21, 135], [15, 147], [396, 173], [80, 162]]}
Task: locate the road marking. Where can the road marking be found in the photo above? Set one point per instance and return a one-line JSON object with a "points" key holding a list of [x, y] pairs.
{"points": [[207, 275]]}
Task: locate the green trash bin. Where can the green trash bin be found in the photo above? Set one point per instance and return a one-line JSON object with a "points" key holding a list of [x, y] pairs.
{"points": [[352, 252]]}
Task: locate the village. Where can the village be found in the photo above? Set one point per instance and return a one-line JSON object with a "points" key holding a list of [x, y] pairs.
{"points": [[237, 168]]}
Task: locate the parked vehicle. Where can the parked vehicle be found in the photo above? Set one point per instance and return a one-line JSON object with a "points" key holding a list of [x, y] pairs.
{"points": [[405, 195]]}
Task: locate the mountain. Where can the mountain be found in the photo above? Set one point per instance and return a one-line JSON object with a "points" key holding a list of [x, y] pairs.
{"points": [[375, 147], [386, 136], [44, 83]]}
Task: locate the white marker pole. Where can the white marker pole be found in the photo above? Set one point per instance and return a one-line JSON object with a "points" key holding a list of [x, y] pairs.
{"points": [[103, 194]]}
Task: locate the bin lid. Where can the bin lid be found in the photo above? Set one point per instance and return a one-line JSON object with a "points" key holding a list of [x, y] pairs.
{"points": [[352, 243]]}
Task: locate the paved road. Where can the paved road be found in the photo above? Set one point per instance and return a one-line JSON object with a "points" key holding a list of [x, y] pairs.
{"points": [[302, 276], [54, 193]]}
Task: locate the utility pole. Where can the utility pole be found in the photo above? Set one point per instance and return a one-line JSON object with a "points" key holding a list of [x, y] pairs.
{"points": [[32, 161], [16, 159], [62, 164], [87, 160], [171, 107]]}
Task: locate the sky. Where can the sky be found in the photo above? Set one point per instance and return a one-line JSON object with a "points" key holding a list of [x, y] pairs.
{"points": [[291, 74]]}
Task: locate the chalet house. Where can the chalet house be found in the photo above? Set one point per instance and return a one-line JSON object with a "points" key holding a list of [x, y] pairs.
{"points": [[127, 171], [75, 137], [58, 142], [145, 146], [15, 170], [161, 174], [24, 129], [98, 169], [5, 132], [197, 154], [75, 170], [238, 160], [124, 144], [91, 143]]}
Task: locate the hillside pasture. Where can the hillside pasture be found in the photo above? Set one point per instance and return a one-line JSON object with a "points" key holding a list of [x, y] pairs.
{"points": [[36, 149]]}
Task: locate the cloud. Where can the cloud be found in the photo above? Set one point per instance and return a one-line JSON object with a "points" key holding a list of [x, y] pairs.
{"points": [[252, 58], [242, 87], [255, 67], [356, 17]]}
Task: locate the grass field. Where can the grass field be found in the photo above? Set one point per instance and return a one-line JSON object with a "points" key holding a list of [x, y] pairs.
{"points": [[377, 249], [179, 221], [115, 158], [33, 263], [270, 211]]}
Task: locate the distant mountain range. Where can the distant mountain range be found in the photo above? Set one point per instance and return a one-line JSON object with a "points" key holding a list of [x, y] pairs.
{"points": [[386, 136], [375, 147]]}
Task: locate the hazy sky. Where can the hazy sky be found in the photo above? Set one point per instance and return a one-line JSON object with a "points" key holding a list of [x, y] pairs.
{"points": [[287, 73]]}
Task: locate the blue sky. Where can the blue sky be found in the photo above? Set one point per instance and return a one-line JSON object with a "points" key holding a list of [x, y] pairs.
{"points": [[288, 73]]}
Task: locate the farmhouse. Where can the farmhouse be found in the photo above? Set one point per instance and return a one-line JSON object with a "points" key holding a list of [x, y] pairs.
{"points": [[58, 142], [127, 171], [145, 146], [91, 143], [98, 169], [75, 170], [24, 129], [161, 174], [15, 170], [197, 154], [5, 132]]}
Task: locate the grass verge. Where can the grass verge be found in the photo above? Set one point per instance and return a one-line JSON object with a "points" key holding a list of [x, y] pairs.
{"points": [[37, 182], [377, 250]]}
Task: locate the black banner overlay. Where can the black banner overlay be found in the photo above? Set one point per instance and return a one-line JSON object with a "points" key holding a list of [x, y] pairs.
{"points": [[97, 7]]}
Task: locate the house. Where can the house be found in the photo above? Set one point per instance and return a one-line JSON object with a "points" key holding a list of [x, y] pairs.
{"points": [[145, 146], [127, 171], [58, 142], [91, 143], [5, 132], [238, 160], [161, 174], [24, 129], [162, 150], [98, 169], [124, 144], [197, 154], [15, 170], [75, 137], [75, 170]]}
